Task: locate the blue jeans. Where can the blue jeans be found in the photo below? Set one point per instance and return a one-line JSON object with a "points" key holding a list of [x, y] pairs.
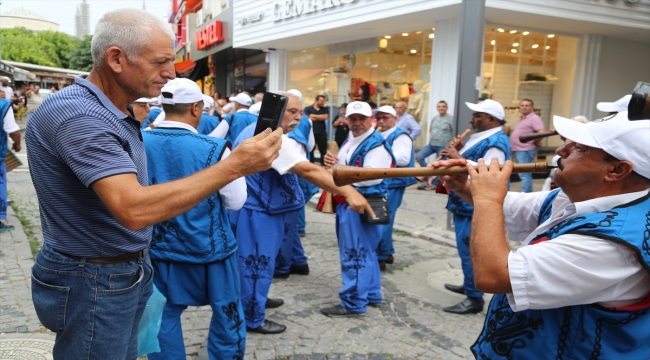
{"points": [[526, 178], [426, 152], [94, 309]]}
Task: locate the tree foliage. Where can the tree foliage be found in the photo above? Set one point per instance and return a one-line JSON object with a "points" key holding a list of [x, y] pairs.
{"points": [[48, 48]]}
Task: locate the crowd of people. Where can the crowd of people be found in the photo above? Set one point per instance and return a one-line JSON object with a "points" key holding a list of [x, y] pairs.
{"points": [[168, 187]]}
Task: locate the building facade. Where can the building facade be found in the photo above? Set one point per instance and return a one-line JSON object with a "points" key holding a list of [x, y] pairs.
{"points": [[82, 20], [566, 55], [24, 18]]}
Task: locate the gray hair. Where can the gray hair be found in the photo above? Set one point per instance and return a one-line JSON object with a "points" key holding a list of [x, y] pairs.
{"points": [[129, 29], [287, 94]]}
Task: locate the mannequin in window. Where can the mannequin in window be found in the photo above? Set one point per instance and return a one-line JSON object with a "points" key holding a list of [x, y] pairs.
{"points": [[415, 99]]}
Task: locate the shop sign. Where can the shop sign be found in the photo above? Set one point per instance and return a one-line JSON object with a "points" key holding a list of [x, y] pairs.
{"points": [[252, 18], [286, 9], [179, 13], [209, 36]]}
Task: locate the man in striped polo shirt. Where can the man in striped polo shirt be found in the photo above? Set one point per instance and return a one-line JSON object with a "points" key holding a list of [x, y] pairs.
{"points": [[93, 276]]}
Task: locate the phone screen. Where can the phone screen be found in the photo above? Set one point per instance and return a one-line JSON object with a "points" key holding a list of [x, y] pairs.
{"points": [[271, 112]]}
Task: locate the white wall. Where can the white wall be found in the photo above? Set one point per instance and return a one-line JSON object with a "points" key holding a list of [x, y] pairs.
{"points": [[622, 64]]}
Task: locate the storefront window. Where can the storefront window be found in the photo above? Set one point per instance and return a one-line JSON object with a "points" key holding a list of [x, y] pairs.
{"points": [[520, 64], [382, 69]]}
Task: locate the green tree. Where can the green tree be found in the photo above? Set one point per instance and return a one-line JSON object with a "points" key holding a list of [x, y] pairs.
{"points": [[57, 45], [80, 57], [20, 44]]}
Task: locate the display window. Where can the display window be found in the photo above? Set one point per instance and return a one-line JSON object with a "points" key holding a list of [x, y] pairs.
{"points": [[520, 64], [384, 70]]}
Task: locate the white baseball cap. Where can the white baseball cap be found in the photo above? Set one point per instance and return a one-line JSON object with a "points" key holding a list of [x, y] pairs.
{"points": [[615, 134], [386, 109], [616, 106], [296, 93], [489, 106], [207, 102], [242, 99], [181, 91], [255, 108], [358, 107], [147, 100]]}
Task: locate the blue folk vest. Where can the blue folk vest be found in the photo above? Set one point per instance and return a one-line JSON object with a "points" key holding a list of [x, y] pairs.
{"points": [[237, 122], [455, 204], [5, 107], [268, 191], [580, 331], [357, 159], [301, 134], [202, 234], [208, 124], [153, 114], [405, 181]]}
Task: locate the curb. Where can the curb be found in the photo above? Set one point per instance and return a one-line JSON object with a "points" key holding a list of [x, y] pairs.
{"points": [[23, 250], [431, 234]]}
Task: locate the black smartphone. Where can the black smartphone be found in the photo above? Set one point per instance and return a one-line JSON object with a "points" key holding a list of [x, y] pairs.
{"points": [[271, 112]]}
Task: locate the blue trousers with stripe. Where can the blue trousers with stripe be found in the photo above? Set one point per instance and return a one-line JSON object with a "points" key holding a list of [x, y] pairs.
{"points": [[215, 284], [3, 190], [385, 248], [259, 236], [359, 269], [463, 227], [291, 252]]}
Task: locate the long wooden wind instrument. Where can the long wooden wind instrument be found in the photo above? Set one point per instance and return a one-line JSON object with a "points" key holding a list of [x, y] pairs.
{"points": [[345, 175]]}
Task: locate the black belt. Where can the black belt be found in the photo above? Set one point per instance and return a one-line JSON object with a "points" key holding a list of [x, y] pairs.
{"points": [[129, 256]]}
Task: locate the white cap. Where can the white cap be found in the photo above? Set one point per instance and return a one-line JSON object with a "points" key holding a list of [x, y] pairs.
{"points": [[296, 93], [255, 108], [489, 106], [616, 106], [386, 109], [207, 102], [147, 100], [615, 134], [242, 99], [358, 107], [183, 91]]}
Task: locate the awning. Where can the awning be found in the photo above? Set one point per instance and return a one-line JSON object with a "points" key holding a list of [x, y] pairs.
{"points": [[185, 66], [6, 69]]}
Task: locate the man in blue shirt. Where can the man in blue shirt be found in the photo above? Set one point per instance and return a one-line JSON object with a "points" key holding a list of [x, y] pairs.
{"points": [[93, 276], [406, 121], [9, 127]]}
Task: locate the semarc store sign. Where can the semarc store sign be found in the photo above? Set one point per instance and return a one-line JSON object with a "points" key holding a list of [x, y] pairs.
{"points": [[287, 9]]}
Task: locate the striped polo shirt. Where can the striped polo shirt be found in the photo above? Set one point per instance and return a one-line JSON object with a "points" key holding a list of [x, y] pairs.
{"points": [[75, 138]]}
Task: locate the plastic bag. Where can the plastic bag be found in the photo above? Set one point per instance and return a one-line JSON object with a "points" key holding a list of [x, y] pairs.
{"points": [[150, 324]]}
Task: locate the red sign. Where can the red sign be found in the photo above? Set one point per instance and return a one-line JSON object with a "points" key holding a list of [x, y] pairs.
{"points": [[208, 36]]}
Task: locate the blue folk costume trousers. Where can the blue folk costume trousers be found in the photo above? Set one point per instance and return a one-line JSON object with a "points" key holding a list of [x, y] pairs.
{"points": [[463, 227], [215, 284], [359, 271], [385, 248], [259, 237], [291, 251], [3, 190]]}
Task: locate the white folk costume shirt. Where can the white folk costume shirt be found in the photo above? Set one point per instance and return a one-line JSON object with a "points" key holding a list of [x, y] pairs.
{"points": [[402, 147], [222, 129], [291, 153], [570, 269], [9, 123], [376, 158], [492, 152], [233, 195]]}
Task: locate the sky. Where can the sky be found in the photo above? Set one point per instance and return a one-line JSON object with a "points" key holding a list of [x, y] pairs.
{"points": [[62, 12]]}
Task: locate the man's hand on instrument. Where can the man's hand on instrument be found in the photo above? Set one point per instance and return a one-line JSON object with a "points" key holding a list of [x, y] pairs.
{"points": [[489, 183], [358, 203], [458, 183], [330, 159], [256, 154], [451, 152]]}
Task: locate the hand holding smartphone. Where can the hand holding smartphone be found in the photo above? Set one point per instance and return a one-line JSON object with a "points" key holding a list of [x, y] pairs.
{"points": [[271, 112]]}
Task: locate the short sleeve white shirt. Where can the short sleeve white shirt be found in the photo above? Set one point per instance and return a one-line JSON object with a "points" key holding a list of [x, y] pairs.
{"points": [[291, 153], [402, 147], [491, 152], [375, 158]]}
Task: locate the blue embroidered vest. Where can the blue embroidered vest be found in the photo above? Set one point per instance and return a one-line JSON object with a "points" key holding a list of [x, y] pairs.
{"points": [[5, 107], [153, 114], [358, 156], [237, 122], [268, 191], [207, 124], [202, 234], [455, 204], [405, 181], [579, 331], [301, 134]]}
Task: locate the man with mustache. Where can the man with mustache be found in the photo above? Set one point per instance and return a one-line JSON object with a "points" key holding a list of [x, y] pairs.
{"points": [[488, 142], [579, 286], [269, 213], [358, 240], [400, 145]]}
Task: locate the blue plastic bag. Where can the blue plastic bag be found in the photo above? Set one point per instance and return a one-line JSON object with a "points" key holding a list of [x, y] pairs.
{"points": [[150, 324]]}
